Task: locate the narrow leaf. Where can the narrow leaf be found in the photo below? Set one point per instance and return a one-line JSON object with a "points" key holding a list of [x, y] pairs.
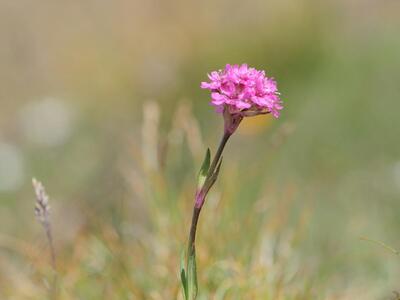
{"points": [[213, 177], [192, 277], [183, 276], [204, 169]]}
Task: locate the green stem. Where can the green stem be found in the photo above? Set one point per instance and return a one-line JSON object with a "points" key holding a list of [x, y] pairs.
{"points": [[200, 198], [192, 234]]}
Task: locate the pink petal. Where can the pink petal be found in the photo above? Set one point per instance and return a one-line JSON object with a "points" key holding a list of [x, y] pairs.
{"points": [[205, 85], [242, 104], [217, 98]]}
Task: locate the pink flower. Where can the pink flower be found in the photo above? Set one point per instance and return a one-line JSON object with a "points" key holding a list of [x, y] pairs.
{"points": [[243, 91]]}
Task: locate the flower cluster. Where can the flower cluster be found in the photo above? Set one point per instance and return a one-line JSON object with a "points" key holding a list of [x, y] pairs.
{"points": [[243, 90]]}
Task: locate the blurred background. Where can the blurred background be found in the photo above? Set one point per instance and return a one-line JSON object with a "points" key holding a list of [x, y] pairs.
{"points": [[101, 102]]}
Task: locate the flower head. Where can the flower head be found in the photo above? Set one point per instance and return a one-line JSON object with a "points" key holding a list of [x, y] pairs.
{"points": [[242, 91]]}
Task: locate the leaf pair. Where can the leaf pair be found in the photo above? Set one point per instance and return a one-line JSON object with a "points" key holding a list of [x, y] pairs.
{"points": [[203, 173], [207, 177], [189, 278]]}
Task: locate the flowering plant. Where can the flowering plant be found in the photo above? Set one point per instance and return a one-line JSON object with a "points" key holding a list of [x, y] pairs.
{"points": [[236, 92]]}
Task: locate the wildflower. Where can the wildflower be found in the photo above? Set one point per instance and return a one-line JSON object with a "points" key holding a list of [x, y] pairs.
{"points": [[243, 91], [236, 92]]}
